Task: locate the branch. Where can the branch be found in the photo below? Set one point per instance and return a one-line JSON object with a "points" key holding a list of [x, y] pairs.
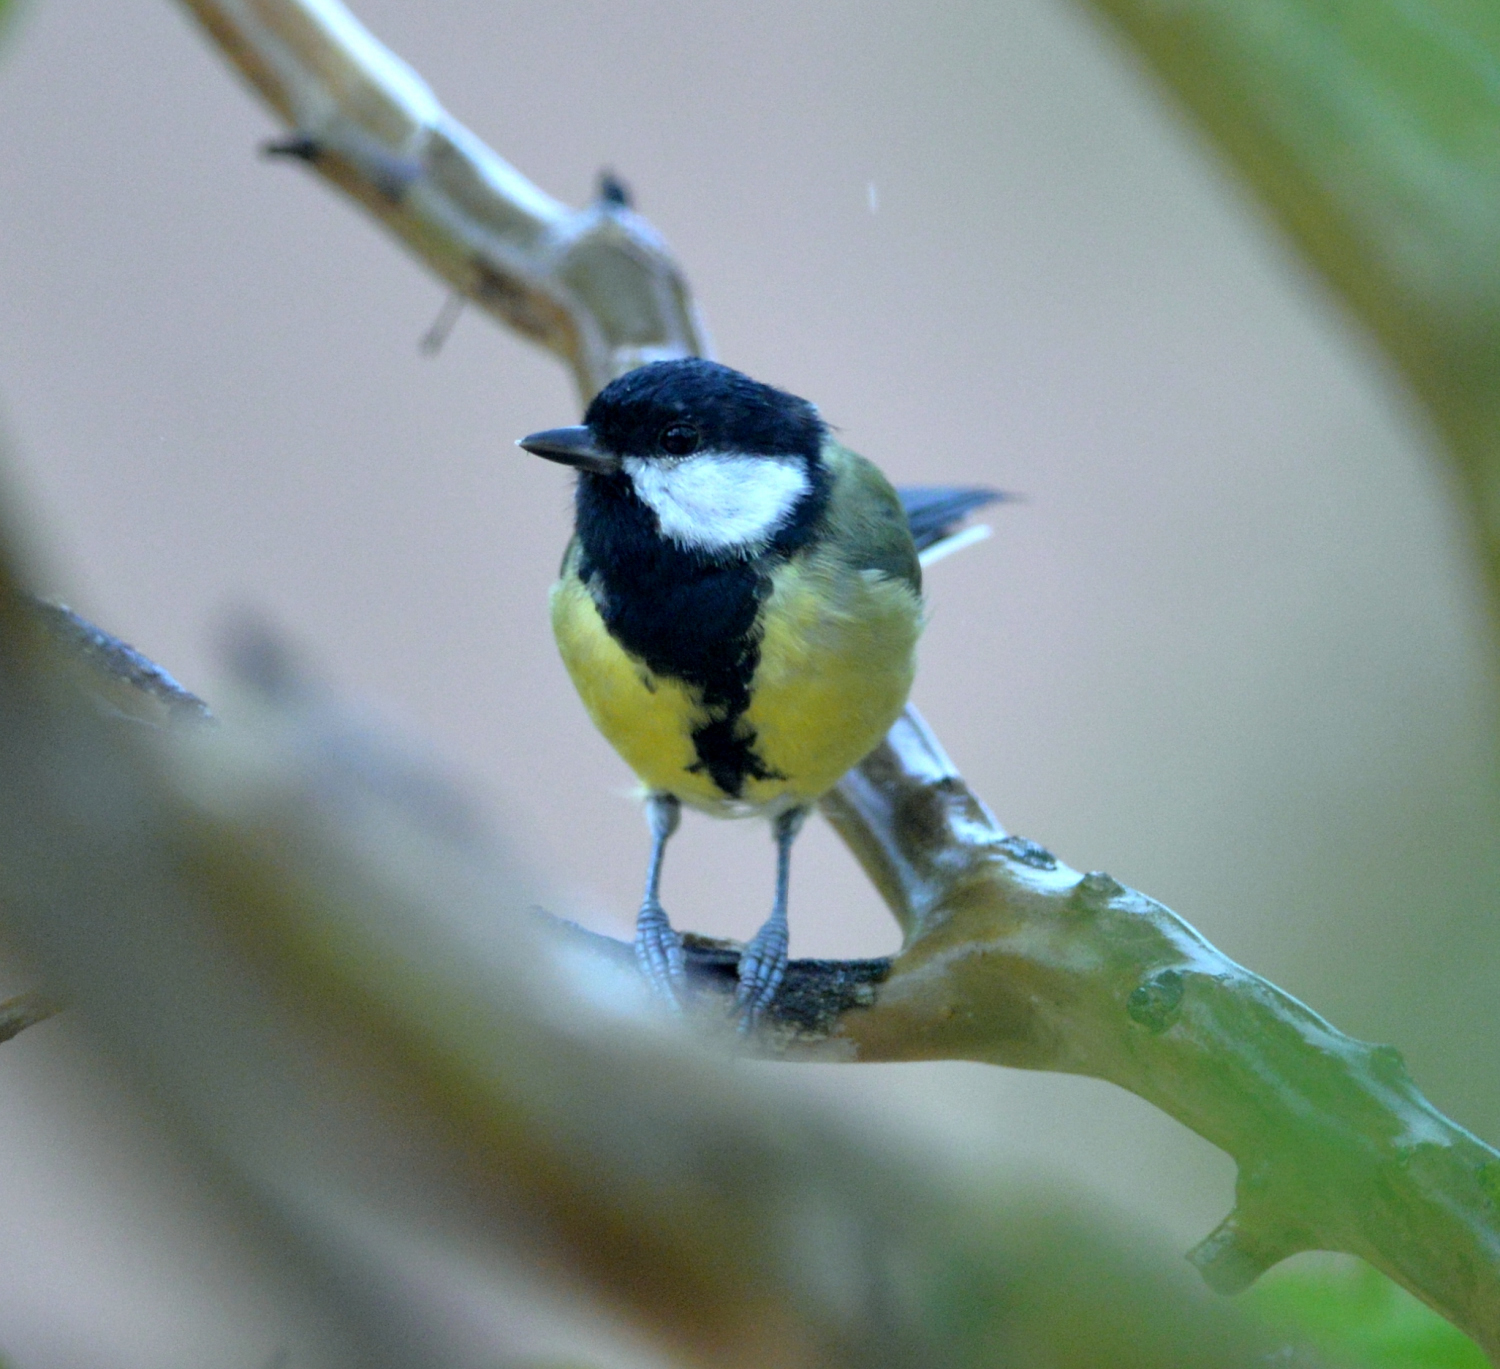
{"points": [[595, 286], [122, 680], [1010, 957], [330, 984]]}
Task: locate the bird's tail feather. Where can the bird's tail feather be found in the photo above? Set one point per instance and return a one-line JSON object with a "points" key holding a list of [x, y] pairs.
{"points": [[936, 512]]}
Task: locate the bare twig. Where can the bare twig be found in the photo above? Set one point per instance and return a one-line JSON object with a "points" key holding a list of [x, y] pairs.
{"points": [[596, 286], [1010, 957]]}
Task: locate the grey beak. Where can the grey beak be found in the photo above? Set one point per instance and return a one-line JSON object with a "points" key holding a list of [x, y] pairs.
{"points": [[572, 447]]}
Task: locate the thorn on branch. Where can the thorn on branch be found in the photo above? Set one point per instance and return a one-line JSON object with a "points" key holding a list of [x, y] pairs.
{"points": [[1025, 852], [1232, 1257], [613, 191], [443, 325], [301, 146], [1156, 1003], [387, 173], [1096, 889], [118, 660]]}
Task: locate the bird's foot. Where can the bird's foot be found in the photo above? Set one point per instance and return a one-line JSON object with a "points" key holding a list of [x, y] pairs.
{"points": [[658, 952], [762, 967]]}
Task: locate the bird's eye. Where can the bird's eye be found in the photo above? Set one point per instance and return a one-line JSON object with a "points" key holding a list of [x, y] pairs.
{"points": [[679, 439]]}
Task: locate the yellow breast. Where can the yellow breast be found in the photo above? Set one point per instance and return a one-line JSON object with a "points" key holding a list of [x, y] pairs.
{"points": [[836, 664], [648, 719], [837, 656]]}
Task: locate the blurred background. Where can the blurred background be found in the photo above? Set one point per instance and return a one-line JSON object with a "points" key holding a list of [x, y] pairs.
{"points": [[1229, 647]]}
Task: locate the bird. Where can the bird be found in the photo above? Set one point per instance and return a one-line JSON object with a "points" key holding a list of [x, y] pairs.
{"points": [[738, 609]]}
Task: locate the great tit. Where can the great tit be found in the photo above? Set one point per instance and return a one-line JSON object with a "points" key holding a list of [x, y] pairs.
{"points": [[739, 610]]}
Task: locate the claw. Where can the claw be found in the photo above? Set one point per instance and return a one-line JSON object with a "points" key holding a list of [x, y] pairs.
{"points": [[658, 951], [763, 961], [762, 968]]}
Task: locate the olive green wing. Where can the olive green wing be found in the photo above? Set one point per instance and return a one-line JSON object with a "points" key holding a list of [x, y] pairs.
{"points": [[865, 520]]}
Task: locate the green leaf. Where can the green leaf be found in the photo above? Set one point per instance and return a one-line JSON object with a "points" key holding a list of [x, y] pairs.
{"points": [[1355, 1315]]}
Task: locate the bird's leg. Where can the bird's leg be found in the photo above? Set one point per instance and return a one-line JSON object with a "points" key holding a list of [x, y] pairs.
{"points": [[763, 961], [658, 949]]}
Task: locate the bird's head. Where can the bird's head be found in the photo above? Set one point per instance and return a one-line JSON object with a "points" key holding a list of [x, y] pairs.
{"points": [[723, 460]]}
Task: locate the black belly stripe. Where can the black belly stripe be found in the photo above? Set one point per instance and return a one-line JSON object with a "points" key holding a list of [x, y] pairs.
{"points": [[684, 614], [726, 750]]}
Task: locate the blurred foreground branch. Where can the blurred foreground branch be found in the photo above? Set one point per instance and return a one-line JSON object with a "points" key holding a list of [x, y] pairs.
{"points": [[326, 973], [22, 1011], [1009, 957], [1368, 130]]}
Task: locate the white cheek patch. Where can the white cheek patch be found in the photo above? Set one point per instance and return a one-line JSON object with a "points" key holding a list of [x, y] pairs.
{"points": [[720, 501]]}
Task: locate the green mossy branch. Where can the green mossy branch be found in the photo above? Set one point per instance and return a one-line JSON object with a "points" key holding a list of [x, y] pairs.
{"points": [[1012, 958]]}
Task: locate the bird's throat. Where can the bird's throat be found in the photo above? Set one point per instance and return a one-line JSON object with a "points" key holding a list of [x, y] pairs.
{"points": [[720, 502]]}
